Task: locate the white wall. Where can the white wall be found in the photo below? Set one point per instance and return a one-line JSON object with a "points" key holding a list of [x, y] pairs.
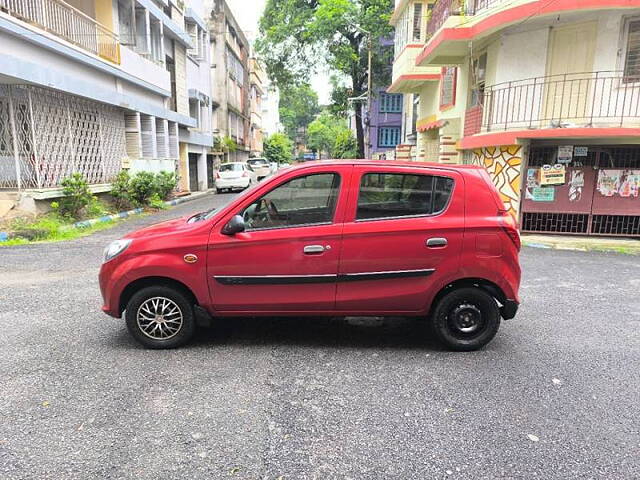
{"points": [[520, 55], [144, 69]]}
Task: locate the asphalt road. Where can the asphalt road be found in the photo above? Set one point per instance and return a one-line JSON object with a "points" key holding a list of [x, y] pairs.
{"points": [[304, 399]]}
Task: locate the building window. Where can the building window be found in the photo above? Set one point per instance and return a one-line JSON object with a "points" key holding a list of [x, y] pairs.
{"points": [[409, 27], [632, 58], [448, 87], [390, 103], [478, 80], [388, 136], [417, 22]]}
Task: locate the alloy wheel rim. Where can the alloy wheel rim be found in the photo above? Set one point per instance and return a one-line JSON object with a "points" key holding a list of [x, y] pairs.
{"points": [[466, 319], [159, 318]]}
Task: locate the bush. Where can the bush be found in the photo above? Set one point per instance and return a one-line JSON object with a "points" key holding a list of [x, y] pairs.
{"points": [[166, 182], [76, 196], [120, 190], [97, 208], [141, 186], [156, 202]]}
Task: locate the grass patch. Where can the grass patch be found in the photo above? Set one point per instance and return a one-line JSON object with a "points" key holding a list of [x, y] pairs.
{"points": [[49, 228]]}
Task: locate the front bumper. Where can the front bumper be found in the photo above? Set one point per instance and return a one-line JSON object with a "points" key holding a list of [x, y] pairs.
{"points": [[509, 309]]}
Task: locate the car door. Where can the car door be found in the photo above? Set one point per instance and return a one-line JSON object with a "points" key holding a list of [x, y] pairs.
{"points": [[403, 232], [287, 258]]}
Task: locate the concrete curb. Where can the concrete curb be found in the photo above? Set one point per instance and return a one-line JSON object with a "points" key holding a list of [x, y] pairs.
{"points": [[4, 236], [622, 249]]}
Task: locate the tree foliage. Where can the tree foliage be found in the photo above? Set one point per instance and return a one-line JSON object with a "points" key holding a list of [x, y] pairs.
{"points": [[296, 35], [298, 107], [330, 135], [278, 148]]}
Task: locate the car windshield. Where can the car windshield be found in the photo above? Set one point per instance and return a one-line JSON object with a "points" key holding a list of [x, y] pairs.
{"points": [[231, 167]]}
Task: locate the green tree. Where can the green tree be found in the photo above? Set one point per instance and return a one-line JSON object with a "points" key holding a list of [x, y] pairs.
{"points": [[345, 145], [278, 148], [330, 135], [298, 107], [295, 35]]}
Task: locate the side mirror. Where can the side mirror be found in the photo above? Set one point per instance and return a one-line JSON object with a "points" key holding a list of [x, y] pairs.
{"points": [[233, 226]]}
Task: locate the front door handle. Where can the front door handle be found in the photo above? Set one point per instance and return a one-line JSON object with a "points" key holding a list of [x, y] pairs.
{"points": [[315, 249], [436, 242]]}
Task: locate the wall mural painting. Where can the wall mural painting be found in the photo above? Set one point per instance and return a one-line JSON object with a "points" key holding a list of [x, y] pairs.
{"points": [[504, 165]]}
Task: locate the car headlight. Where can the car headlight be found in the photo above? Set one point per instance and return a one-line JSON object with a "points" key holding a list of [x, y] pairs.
{"points": [[115, 248]]}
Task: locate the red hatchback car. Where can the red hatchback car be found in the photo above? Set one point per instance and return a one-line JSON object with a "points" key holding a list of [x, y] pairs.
{"points": [[338, 238]]}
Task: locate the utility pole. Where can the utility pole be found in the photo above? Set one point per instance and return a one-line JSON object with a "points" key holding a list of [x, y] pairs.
{"points": [[367, 145]]}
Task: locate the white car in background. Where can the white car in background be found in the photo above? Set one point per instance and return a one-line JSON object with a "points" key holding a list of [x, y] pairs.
{"points": [[234, 176], [261, 166]]}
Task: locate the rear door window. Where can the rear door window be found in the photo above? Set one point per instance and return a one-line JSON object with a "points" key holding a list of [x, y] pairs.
{"points": [[397, 195]]}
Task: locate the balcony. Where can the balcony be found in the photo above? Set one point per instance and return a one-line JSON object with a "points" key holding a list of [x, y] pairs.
{"points": [[571, 101], [407, 77], [67, 22]]}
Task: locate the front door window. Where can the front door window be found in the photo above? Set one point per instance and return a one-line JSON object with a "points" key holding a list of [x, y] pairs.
{"points": [[307, 200]]}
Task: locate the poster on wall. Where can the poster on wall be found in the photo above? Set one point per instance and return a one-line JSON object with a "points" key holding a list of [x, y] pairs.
{"points": [[623, 183], [552, 175], [565, 153], [532, 182], [581, 151], [576, 185], [543, 194]]}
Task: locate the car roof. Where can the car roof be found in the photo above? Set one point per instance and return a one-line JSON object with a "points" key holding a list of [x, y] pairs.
{"points": [[390, 163]]}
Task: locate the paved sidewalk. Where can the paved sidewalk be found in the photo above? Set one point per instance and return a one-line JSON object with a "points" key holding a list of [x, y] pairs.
{"points": [[583, 244]]}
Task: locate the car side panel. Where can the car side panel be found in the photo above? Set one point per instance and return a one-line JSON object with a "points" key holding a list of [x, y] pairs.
{"points": [[398, 245]]}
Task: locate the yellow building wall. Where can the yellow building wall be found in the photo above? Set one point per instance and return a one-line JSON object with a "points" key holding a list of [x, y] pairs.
{"points": [[183, 168], [504, 165], [104, 13]]}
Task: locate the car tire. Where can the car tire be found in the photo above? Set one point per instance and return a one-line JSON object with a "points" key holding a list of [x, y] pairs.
{"points": [[466, 319], [174, 329]]}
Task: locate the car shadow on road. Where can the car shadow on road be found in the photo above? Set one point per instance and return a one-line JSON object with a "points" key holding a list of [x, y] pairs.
{"points": [[357, 332]]}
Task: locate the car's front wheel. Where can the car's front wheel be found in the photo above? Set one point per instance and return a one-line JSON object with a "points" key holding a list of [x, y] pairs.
{"points": [[466, 319], [160, 317]]}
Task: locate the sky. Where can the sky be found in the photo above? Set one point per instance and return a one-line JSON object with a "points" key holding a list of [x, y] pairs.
{"points": [[248, 13]]}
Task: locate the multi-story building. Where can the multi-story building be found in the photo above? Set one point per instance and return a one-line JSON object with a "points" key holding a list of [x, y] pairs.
{"points": [[230, 84], [544, 94], [91, 86], [257, 78], [271, 110], [196, 160], [384, 124]]}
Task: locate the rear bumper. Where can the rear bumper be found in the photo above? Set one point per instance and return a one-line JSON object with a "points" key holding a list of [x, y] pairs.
{"points": [[242, 182], [509, 309]]}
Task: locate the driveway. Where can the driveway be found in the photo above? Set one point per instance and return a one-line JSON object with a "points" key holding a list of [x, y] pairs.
{"points": [[556, 395]]}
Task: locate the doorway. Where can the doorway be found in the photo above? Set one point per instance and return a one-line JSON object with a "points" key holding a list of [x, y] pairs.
{"points": [[193, 172]]}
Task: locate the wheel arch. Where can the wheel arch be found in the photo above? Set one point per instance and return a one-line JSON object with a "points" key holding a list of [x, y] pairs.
{"points": [[488, 286], [137, 285]]}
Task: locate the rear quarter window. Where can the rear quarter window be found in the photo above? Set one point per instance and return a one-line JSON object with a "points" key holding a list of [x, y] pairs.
{"points": [[397, 195]]}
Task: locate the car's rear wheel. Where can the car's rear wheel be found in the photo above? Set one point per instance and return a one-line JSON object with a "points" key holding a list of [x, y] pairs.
{"points": [[466, 319], [160, 317]]}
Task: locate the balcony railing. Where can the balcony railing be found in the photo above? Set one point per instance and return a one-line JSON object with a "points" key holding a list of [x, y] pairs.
{"points": [[443, 9], [606, 99], [67, 22]]}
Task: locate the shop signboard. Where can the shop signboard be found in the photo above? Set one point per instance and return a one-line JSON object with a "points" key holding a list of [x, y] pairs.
{"points": [[543, 194], [552, 175]]}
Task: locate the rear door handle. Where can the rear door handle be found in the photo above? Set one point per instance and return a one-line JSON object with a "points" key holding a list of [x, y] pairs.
{"points": [[315, 249], [436, 242]]}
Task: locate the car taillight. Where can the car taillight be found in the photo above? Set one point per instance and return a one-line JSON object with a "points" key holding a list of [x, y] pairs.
{"points": [[245, 174], [218, 175], [510, 226]]}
